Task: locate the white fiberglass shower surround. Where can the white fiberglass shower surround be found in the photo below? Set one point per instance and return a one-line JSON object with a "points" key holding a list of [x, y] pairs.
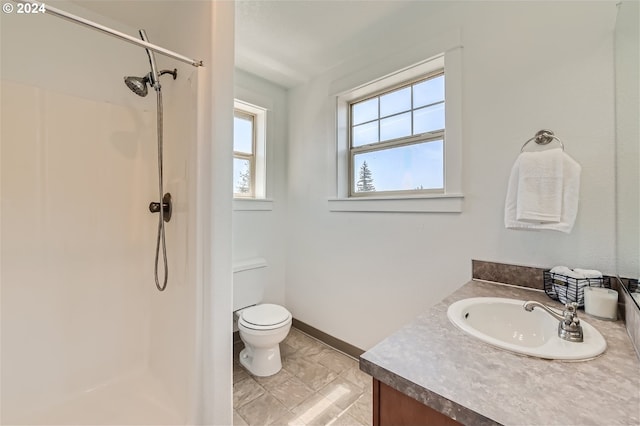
{"points": [[86, 337]]}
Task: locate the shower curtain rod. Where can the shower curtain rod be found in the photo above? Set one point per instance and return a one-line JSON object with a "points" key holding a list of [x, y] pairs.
{"points": [[122, 36]]}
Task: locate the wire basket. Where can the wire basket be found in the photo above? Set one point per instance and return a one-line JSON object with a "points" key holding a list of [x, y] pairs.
{"points": [[568, 289]]}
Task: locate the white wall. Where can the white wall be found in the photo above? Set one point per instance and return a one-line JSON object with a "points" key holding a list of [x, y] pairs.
{"points": [[526, 66], [214, 215], [259, 233]]}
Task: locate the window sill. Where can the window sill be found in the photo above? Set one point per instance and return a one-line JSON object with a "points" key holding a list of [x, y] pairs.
{"points": [[252, 204], [441, 203]]}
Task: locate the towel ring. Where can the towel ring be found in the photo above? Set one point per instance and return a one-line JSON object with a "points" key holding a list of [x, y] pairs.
{"points": [[543, 137]]}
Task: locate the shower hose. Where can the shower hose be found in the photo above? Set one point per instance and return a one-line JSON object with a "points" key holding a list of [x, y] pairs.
{"points": [[160, 240]]}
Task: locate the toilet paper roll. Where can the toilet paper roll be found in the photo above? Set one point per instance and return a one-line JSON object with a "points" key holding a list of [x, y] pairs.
{"points": [[601, 302]]}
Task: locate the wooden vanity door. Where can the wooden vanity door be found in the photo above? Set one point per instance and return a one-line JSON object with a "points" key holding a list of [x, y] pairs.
{"points": [[393, 408]]}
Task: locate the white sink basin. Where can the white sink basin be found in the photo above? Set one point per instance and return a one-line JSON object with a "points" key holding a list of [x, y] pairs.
{"points": [[505, 323]]}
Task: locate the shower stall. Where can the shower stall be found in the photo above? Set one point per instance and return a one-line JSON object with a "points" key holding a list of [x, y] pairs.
{"points": [[86, 337]]}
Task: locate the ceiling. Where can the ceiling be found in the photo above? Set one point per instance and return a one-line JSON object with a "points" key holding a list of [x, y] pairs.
{"points": [[289, 42], [286, 42]]}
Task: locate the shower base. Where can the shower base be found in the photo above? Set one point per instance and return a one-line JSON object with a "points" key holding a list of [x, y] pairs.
{"points": [[135, 400]]}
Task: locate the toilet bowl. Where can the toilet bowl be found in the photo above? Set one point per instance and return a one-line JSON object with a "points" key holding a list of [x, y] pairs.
{"points": [[262, 327]]}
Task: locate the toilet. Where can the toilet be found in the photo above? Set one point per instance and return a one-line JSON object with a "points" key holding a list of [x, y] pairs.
{"points": [[262, 326]]}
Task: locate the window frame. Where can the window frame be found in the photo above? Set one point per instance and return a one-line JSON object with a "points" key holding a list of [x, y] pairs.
{"points": [[353, 86], [412, 139], [257, 168], [248, 157]]}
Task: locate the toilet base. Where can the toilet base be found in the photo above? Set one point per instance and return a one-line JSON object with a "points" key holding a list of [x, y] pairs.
{"points": [[261, 362]]}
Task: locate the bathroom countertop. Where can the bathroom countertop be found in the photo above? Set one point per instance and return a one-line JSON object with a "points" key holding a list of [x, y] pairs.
{"points": [[439, 365]]}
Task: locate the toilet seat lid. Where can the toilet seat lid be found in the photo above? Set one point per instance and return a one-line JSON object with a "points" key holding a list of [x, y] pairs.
{"points": [[265, 315]]}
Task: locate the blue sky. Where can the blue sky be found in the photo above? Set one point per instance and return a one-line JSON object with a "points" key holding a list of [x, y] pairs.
{"points": [[405, 167], [242, 134]]}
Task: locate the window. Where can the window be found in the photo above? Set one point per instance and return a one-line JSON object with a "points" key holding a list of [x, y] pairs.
{"points": [[396, 139], [396, 149], [248, 151], [244, 148]]}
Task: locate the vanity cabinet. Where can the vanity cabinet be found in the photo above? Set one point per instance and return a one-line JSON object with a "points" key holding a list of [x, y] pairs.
{"points": [[391, 407], [479, 384]]}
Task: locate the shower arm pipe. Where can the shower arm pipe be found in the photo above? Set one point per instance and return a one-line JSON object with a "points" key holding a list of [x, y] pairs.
{"points": [[122, 36]]}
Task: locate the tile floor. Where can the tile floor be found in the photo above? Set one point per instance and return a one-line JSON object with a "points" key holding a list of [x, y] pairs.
{"points": [[316, 386]]}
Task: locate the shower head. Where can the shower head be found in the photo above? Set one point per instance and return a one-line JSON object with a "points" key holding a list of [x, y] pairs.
{"points": [[138, 85]]}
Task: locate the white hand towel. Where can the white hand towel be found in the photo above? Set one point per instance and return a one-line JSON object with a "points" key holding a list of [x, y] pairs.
{"points": [[589, 273], [570, 194], [539, 198], [567, 272]]}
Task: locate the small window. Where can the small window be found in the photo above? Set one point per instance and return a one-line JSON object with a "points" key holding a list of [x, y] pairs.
{"points": [[396, 139], [248, 151], [244, 147]]}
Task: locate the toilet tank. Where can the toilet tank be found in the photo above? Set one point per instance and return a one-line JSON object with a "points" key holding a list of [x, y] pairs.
{"points": [[249, 278]]}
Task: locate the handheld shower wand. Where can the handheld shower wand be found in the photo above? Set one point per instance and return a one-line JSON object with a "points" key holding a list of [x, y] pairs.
{"points": [[139, 86], [154, 81], [154, 77]]}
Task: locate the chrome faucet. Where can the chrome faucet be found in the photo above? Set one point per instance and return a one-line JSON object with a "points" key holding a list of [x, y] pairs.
{"points": [[569, 327]]}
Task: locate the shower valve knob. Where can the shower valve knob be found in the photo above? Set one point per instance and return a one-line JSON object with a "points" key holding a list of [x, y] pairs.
{"points": [[155, 207], [167, 207]]}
